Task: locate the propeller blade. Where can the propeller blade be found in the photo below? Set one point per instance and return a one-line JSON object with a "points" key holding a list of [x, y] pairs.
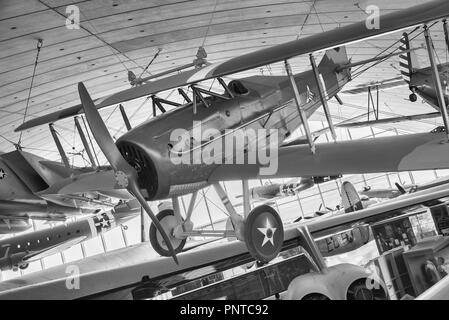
{"points": [[117, 162], [101, 133], [134, 189]]}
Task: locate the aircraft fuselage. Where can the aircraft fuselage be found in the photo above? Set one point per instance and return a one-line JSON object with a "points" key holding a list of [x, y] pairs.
{"points": [[266, 102]]}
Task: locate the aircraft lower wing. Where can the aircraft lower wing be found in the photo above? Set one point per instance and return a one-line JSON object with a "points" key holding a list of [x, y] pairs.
{"points": [[103, 182], [115, 274], [395, 21], [422, 151]]}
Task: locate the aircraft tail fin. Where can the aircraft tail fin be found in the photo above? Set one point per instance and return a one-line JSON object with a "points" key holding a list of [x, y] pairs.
{"points": [[334, 59], [350, 198], [408, 61]]}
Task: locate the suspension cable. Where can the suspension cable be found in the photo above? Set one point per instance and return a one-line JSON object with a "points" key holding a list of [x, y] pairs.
{"points": [[40, 43]]}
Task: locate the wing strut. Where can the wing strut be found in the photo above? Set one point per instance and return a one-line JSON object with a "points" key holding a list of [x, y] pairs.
{"points": [[85, 144], [319, 84], [125, 117], [59, 146], [437, 80], [301, 112]]}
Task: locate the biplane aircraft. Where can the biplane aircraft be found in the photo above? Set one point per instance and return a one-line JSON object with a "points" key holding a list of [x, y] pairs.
{"points": [[32, 187], [420, 81], [146, 158]]}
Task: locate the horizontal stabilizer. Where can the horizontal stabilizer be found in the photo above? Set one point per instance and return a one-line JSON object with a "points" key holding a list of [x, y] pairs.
{"points": [[374, 86]]}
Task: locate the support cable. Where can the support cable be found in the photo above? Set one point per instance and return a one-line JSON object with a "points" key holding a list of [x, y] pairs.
{"points": [[40, 43]]}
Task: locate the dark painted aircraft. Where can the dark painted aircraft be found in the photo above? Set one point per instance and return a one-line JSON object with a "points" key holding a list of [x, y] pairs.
{"points": [[19, 251], [32, 187]]}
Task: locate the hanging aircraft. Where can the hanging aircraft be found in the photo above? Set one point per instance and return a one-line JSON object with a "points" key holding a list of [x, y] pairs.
{"points": [[19, 251], [348, 240], [419, 80], [146, 159], [32, 187], [135, 275], [273, 191], [390, 193]]}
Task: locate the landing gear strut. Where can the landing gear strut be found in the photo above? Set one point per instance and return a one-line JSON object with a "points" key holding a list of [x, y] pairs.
{"points": [[262, 231]]}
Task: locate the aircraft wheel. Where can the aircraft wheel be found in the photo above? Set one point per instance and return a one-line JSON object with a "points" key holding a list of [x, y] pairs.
{"points": [[264, 233], [24, 266], [169, 223], [413, 97]]}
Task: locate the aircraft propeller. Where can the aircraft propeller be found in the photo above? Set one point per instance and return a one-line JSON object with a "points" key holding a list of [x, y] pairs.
{"points": [[125, 175]]}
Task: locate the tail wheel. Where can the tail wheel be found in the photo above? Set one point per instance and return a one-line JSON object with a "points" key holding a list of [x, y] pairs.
{"points": [[169, 223], [264, 233], [24, 266], [413, 97]]}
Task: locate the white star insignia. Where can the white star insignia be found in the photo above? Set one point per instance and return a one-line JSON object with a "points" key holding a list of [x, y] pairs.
{"points": [[104, 223], [268, 233], [2, 174]]}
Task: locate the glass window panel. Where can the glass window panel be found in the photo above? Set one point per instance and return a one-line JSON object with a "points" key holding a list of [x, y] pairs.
{"points": [[114, 239], [423, 176], [52, 261], [93, 246], [133, 233], [73, 254]]}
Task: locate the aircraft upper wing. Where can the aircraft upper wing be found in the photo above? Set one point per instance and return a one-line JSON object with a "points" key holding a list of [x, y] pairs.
{"points": [[398, 20], [422, 151]]}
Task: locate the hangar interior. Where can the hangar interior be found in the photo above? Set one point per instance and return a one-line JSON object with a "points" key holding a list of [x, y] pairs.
{"points": [[116, 37]]}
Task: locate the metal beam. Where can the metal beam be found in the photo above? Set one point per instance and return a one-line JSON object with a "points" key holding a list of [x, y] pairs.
{"points": [[191, 205], [446, 33], [157, 102], [177, 209], [246, 202], [125, 117], [301, 112], [184, 95], [61, 151], [197, 93], [320, 86], [226, 88], [437, 80], [85, 144], [225, 200], [211, 93]]}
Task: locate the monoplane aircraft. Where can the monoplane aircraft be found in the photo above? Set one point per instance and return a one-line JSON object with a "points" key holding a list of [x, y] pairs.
{"points": [[389, 193], [19, 251]]}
